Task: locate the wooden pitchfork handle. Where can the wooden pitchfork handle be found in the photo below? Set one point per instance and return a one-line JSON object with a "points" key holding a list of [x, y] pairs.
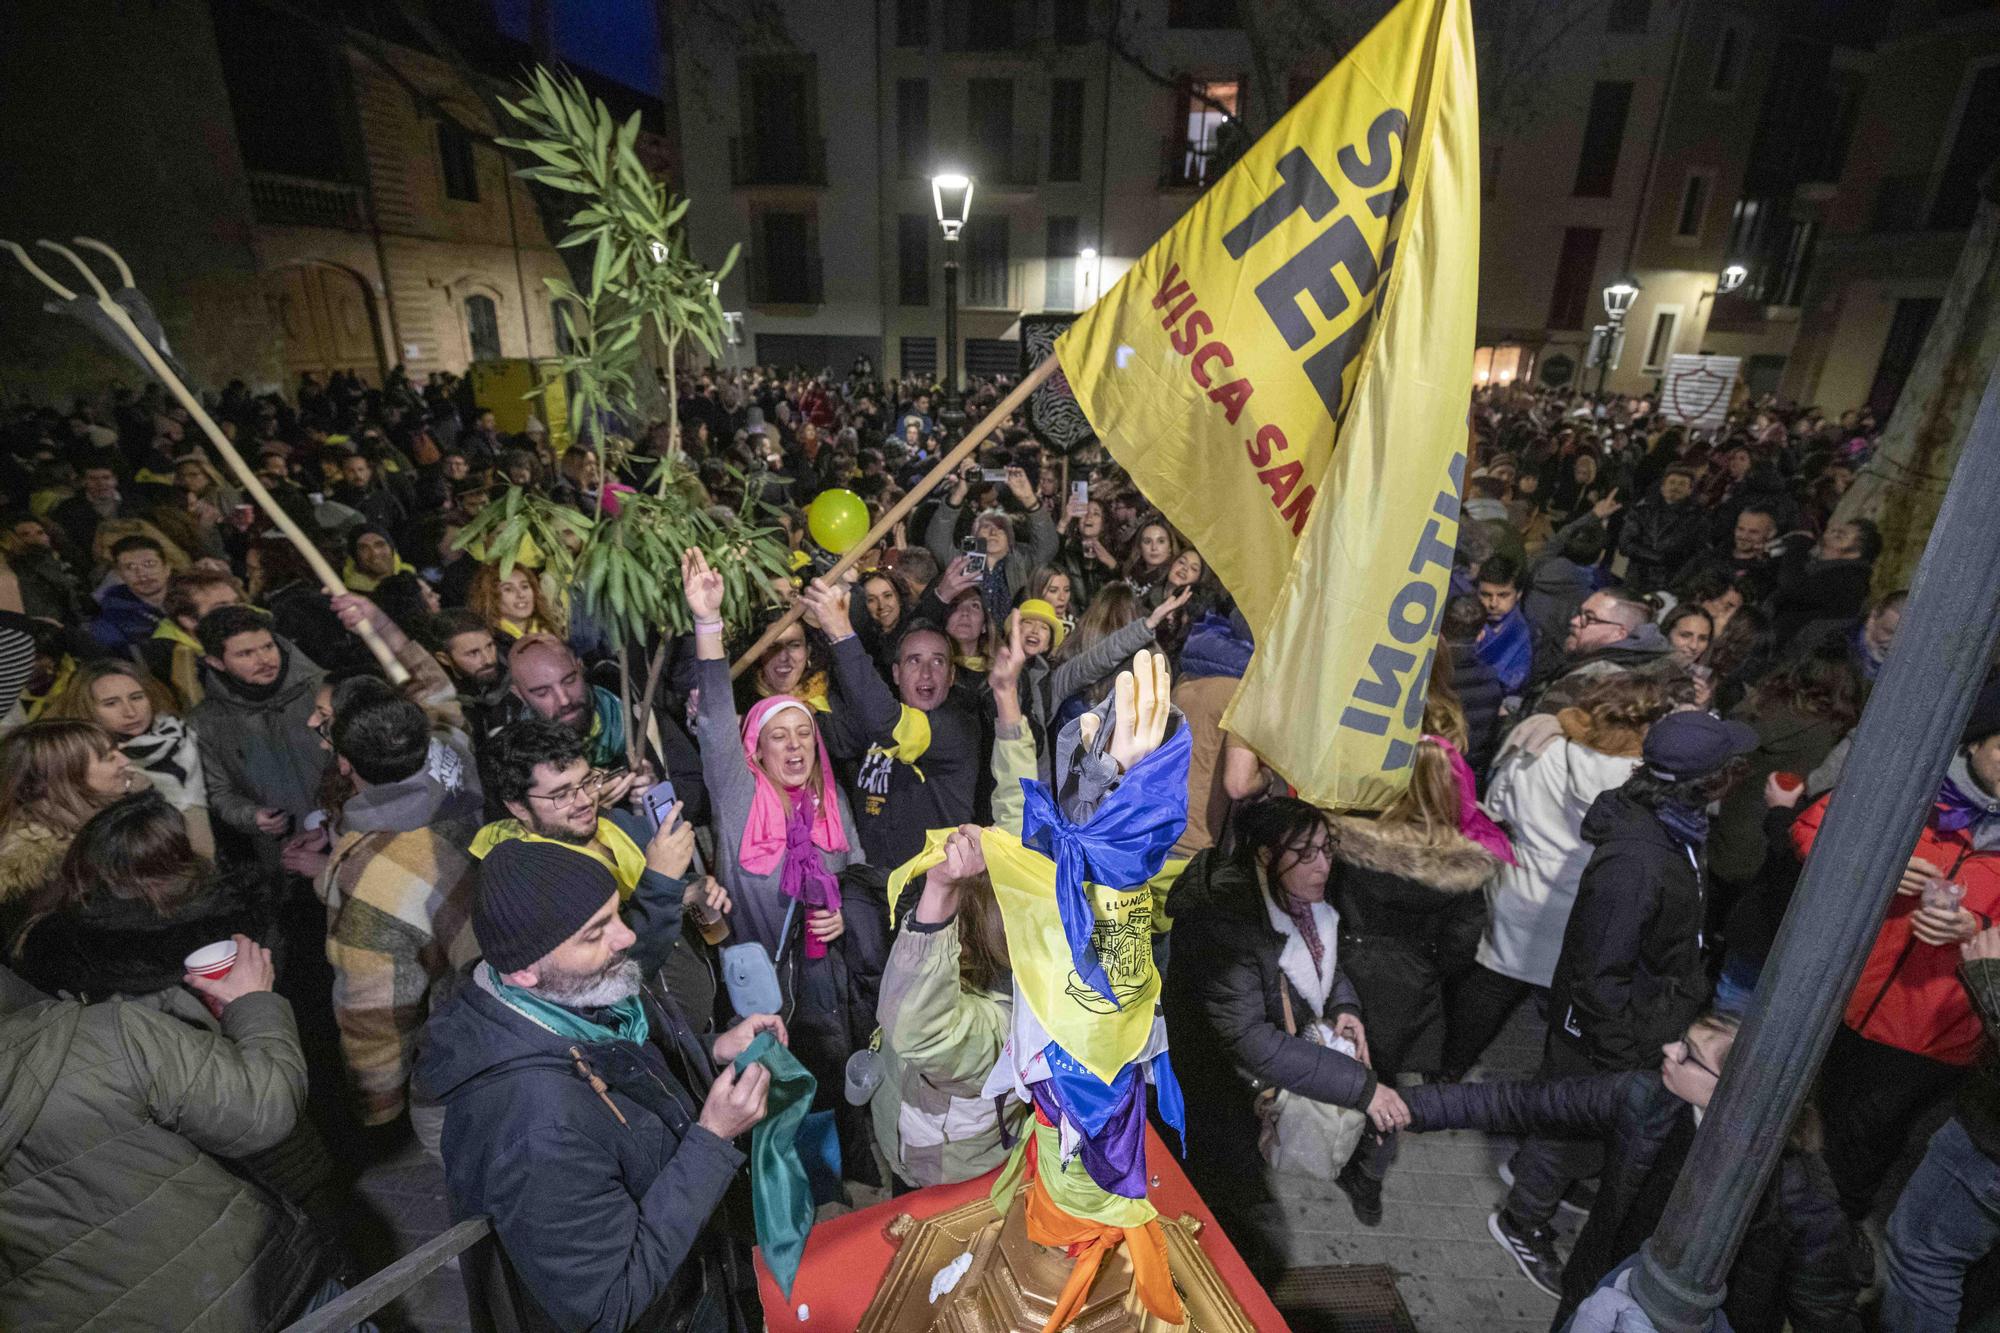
{"points": [[324, 572]]}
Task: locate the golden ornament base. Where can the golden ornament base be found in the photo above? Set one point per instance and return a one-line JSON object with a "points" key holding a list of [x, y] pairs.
{"points": [[1013, 1284]]}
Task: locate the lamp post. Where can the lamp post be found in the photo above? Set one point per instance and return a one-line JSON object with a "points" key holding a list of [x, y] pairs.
{"points": [[1618, 298], [1087, 266], [951, 196]]}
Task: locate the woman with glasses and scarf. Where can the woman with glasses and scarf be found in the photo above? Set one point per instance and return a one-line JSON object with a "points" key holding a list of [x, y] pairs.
{"points": [[1794, 1264]]}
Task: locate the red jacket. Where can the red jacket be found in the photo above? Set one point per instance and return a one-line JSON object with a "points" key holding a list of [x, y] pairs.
{"points": [[1909, 994]]}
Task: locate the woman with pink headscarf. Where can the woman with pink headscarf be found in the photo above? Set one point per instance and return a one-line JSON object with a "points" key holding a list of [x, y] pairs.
{"points": [[783, 831]]}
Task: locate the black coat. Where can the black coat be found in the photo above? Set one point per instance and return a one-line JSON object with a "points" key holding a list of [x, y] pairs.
{"points": [[607, 1223], [1411, 915], [1226, 1023], [1659, 538], [1630, 977], [1480, 695], [1794, 1260]]}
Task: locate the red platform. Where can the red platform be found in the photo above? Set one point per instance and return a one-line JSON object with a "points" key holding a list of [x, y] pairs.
{"points": [[846, 1256]]}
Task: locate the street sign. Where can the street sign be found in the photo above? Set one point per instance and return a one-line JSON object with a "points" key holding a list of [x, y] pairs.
{"points": [[1697, 389]]}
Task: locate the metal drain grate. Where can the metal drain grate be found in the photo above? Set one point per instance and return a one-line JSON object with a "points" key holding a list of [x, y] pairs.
{"points": [[1342, 1298]]}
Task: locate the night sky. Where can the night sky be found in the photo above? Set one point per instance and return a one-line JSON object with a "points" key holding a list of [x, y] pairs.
{"points": [[615, 38]]}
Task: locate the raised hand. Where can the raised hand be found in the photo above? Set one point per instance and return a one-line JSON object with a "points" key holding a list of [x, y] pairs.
{"points": [[1004, 673], [1144, 702], [1023, 489], [1168, 606], [828, 604], [955, 581], [964, 854], [671, 850], [701, 585], [1608, 506]]}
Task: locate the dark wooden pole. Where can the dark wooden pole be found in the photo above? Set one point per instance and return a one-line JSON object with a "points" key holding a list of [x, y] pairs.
{"points": [[1905, 740]]}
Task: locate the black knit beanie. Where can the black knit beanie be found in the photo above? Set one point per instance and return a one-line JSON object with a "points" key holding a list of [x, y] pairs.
{"points": [[1985, 719], [533, 896]]}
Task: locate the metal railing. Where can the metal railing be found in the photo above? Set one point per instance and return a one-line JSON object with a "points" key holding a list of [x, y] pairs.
{"points": [[1191, 166], [754, 161], [302, 202], [369, 1298]]}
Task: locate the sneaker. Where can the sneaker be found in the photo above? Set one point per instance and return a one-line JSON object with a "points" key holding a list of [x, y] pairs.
{"points": [[1534, 1251], [1364, 1192], [1579, 1198]]}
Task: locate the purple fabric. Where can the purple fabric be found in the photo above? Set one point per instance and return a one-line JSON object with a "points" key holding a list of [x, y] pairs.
{"points": [[804, 876], [1955, 810], [1116, 1157]]}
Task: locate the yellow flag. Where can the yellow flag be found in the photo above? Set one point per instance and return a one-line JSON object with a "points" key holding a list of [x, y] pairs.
{"points": [[1286, 375]]}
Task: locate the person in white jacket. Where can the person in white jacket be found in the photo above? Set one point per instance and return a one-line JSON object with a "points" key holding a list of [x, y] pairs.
{"points": [[1544, 779]]}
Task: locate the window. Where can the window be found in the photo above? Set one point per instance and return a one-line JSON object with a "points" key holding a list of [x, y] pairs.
{"points": [[1694, 206], [1060, 265], [986, 261], [1066, 129], [1603, 136], [482, 328], [563, 319], [1627, 15], [913, 22], [989, 127], [1660, 345], [1728, 71], [461, 175], [989, 25], [1204, 131], [785, 271], [913, 259], [919, 356], [913, 127], [1576, 275], [1203, 14], [1973, 148], [1072, 22]]}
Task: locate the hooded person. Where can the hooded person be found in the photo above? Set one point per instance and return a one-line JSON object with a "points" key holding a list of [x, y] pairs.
{"points": [[371, 557], [1611, 631], [585, 1115]]}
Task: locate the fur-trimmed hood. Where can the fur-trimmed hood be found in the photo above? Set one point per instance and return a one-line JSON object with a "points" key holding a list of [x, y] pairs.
{"points": [[111, 946], [1457, 865]]}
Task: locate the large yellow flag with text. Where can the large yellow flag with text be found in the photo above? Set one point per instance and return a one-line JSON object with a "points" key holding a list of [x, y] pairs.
{"points": [[1286, 375]]}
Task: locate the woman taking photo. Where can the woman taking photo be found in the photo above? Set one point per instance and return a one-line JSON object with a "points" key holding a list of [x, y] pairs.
{"points": [[1406, 886], [139, 714], [54, 775], [1255, 1001], [1088, 554]]}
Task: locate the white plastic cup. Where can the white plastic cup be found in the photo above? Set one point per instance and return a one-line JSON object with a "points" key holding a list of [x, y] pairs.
{"points": [[212, 961]]}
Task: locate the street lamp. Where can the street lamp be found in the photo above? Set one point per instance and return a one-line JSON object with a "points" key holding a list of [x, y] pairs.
{"points": [[1086, 264], [1733, 276], [1618, 298], [951, 196]]}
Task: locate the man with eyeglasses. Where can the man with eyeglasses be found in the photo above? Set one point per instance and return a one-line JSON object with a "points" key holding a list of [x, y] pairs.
{"points": [[1612, 632], [128, 610]]}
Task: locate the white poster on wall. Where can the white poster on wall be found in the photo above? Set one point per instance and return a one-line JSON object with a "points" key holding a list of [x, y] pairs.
{"points": [[1697, 389]]}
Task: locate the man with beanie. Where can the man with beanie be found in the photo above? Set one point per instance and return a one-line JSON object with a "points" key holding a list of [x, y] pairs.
{"points": [[584, 1116], [1911, 1032], [1630, 977]]}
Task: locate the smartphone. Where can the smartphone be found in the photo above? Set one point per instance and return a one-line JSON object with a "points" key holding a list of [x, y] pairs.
{"points": [[975, 556], [1079, 495], [659, 799]]}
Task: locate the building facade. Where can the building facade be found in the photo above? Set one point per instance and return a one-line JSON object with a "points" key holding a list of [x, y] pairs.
{"points": [[298, 197]]}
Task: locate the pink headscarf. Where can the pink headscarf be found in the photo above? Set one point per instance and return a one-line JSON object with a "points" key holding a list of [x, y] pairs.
{"points": [[763, 845], [1474, 823]]}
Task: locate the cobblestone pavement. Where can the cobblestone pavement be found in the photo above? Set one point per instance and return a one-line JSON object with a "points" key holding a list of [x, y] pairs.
{"points": [[1433, 1233]]}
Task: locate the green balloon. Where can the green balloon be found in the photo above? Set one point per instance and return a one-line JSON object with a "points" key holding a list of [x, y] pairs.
{"points": [[837, 520]]}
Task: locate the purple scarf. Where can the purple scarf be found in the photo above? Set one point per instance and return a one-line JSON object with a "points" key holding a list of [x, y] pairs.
{"points": [[1956, 810], [804, 876]]}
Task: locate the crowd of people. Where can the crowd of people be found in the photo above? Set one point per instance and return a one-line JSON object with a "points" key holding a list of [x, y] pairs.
{"points": [[463, 917]]}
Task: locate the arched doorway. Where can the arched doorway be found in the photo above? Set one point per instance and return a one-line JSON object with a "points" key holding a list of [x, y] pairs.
{"points": [[327, 316]]}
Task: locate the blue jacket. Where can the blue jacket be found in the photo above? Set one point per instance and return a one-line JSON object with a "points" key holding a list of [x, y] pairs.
{"points": [[606, 1222], [1509, 648], [124, 620]]}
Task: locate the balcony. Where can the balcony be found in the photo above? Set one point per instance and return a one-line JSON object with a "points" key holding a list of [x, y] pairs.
{"points": [[793, 280], [754, 161], [1186, 166], [296, 201]]}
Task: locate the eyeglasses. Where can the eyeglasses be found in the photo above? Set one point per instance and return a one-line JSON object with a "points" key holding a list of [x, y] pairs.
{"points": [[1585, 616], [1688, 1057], [587, 787]]}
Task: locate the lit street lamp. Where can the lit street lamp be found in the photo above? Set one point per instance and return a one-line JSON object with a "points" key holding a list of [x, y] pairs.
{"points": [[951, 196], [1618, 299]]}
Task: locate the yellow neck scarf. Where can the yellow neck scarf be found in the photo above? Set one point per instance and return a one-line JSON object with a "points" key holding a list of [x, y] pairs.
{"points": [[626, 861]]}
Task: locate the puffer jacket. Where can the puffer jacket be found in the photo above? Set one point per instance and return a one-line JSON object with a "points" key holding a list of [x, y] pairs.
{"points": [[1411, 913], [1541, 791], [1794, 1261], [1630, 977], [939, 1042], [1909, 994], [256, 751], [114, 1210], [1235, 955]]}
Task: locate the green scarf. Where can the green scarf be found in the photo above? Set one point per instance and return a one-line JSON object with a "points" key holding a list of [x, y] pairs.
{"points": [[779, 1190], [628, 1016]]}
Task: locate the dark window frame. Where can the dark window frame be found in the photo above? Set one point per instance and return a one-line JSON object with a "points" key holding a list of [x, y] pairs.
{"points": [[458, 163]]}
